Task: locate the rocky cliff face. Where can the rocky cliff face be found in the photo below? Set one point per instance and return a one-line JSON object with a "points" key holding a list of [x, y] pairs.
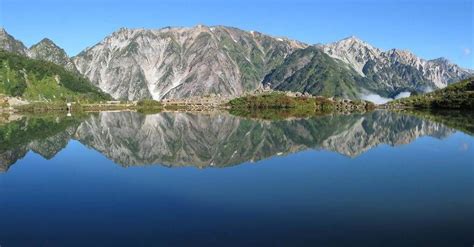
{"points": [[182, 62], [311, 70], [47, 50], [394, 70], [198, 61], [10, 44]]}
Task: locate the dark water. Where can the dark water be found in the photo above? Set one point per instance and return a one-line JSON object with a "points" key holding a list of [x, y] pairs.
{"points": [[182, 179]]}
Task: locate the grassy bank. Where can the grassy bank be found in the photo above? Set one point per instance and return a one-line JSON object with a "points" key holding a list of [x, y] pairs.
{"points": [[278, 105], [276, 100], [458, 95], [148, 106]]}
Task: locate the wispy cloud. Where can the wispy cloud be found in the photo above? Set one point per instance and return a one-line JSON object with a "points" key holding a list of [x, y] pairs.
{"points": [[379, 100], [467, 51], [375, 98]]}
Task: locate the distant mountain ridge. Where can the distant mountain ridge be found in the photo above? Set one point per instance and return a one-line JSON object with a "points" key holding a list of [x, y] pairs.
{"points": [[45, 50], [180, 62], [359, 69], [44, 72], [394, 68]]}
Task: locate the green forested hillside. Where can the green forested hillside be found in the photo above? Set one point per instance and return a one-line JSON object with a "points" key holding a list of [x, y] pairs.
{"points": [[311, 70], [458, 95], [44, 81]]}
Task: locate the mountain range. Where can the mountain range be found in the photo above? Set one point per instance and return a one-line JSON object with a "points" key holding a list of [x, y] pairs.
{"points": [[179, 62], [42, 73]]}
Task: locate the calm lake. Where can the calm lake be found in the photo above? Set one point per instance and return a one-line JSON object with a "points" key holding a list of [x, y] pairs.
{"points": [[180, 179]]}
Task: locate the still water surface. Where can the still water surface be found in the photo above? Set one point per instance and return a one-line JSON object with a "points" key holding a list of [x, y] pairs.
{"points": [[180, 179]]}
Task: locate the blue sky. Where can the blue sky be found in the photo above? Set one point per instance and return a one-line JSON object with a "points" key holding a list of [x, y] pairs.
{"points": [[430, 29]]}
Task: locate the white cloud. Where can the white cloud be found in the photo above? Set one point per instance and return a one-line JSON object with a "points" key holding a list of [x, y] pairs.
{"points": [[379, 100], [376, 99], [467, 51], [427, 89], [403, 95]]}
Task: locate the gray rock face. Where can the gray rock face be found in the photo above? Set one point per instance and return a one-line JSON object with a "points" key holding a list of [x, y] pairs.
{"points": [[47, 50], [312, 71], [10, 44], [182, 62], [395, 70]]}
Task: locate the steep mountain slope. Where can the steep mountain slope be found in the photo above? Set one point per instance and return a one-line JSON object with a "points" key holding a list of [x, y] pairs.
{"points": [[40, 80], [353, 52], [47, 50], [393, 71], [182, 62], [311, 70], [352, 68], [10, 44]]}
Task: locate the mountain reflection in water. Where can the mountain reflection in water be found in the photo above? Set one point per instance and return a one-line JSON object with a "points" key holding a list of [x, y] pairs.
{"points": [[177, 139]]}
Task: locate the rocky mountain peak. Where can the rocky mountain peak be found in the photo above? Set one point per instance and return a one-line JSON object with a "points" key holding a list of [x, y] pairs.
{"points": [[177, 62], [355, 42], [47, 50], [405, 57], [10, 44], [352, 51], [352, 40], [201, 26], [45, 44], [400, 53], [441, 60], [182, 62], [394, 67]]}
